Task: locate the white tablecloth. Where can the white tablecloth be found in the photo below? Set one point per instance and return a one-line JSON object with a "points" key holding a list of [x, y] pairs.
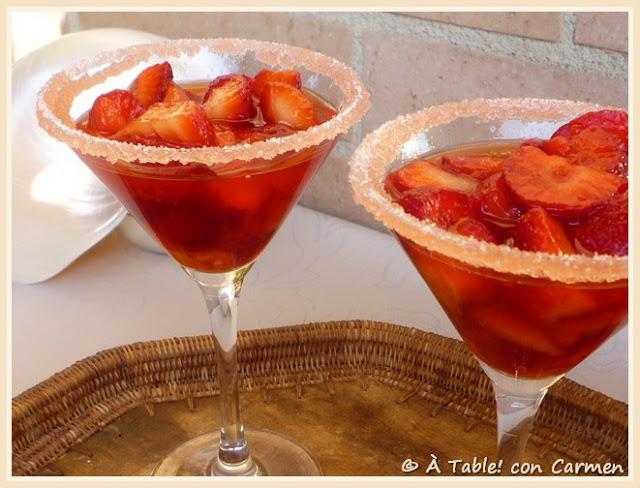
{"points": [[317, 268]]}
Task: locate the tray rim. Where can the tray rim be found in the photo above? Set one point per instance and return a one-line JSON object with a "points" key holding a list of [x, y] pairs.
{"points": [[395, 341]]}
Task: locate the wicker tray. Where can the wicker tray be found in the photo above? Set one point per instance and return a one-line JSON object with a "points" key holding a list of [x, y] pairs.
{"points": [[362, 396]]}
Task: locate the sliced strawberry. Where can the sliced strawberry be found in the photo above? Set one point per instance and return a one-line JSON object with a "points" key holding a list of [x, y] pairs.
{"points": [[323, 111], [261, 133], [538, 231], [423, 173], [613, 121], [229, 98], [550, 305], [241, 194], [225, 134], [286, 104], [151, 85], [176, 94], [507, 326], [534, 142], [468, 226], [267, 76], [442, 207], [112, 111], [238, 132], [183, 124], [557, 146], [566, 190], [495, 202], [606, 231], [479, 167], [599, 149], [594, 147], [455, 287], [601, 322]]}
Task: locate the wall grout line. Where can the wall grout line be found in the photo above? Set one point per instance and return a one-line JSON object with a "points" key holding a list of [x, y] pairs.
{"points": [[357, 63], [358, 66], [568, 21], [563, 54], [71, 22]]}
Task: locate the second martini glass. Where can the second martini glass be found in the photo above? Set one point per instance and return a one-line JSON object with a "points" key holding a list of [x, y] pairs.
{"points": [[214, 209], [528, 317]]}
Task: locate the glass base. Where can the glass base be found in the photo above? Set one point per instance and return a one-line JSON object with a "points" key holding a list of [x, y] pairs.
{"points": [[272, 454]]}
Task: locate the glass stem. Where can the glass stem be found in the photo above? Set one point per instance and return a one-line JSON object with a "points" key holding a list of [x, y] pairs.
{"points": [[517, 402], [221, 292], [515, 415]]}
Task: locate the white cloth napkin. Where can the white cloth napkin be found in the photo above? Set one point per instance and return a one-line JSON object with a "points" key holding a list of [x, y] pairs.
{"points": [[59, 208]]}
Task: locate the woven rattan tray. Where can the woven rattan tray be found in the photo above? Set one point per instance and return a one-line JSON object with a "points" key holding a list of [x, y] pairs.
{"points": [[362, 396]]}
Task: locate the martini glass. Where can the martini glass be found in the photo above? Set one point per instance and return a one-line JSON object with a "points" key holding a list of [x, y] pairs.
{"points": [[527, 317], [214, 209]]}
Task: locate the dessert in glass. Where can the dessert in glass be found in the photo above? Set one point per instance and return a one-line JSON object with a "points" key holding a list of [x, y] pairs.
{"points": [[208, 144], [515, 213]]}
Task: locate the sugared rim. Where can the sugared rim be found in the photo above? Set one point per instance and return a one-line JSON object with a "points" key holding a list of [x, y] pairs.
{"points": [[56, 97], [381, 148]]}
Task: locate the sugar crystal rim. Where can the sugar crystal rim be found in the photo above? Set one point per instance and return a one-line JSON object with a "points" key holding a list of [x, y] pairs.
{"points": [[55, 99], [381, 148]]}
